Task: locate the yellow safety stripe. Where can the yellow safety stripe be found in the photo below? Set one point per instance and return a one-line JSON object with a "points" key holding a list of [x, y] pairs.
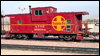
{"points": [[37, 24]]}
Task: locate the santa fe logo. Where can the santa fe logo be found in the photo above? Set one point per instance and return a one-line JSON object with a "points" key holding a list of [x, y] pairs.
{"points": [[59, 23]]}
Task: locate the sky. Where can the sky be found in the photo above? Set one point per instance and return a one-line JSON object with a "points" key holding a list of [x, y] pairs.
{"points": [[12, 7]]}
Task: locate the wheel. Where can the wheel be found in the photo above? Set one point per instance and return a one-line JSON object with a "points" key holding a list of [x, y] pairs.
{"points": [[20, 36], [17, 36], [67, 38], [13, 36], [61, 37], [24, 36]]}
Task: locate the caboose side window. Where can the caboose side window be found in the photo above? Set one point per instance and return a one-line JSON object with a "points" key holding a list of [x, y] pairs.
{"points": [[55, 10], [69, 21], [38, 12], [68, 26], [47, 10], [19, 22]]}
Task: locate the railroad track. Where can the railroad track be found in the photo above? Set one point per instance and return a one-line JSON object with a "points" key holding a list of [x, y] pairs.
{"points": [[54, 39], [52, 49]]}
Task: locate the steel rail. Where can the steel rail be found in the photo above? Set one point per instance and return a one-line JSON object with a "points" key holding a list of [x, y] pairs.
{"points": [[52, 48], [57, 40]]}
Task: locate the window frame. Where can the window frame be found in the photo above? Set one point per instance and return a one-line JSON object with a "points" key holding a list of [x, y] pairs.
{"points": [[48, 10], [70, 20], [38, 13], [35, 12], [55, 11], [68, 25], [18, 22]]}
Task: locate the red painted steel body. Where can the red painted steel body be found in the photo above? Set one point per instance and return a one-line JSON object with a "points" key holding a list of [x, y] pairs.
{"points": [[43, 24]]}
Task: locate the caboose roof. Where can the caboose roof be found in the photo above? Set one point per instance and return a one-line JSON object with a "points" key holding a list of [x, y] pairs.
{"points": [[17, 14], [44, 7], [76, 13]]}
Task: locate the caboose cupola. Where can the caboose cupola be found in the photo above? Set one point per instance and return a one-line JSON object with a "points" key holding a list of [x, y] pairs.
{"points": [[40, 13]]}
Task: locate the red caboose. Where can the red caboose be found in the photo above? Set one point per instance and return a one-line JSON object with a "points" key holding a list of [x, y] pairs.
{"points": [[44, 21]]}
